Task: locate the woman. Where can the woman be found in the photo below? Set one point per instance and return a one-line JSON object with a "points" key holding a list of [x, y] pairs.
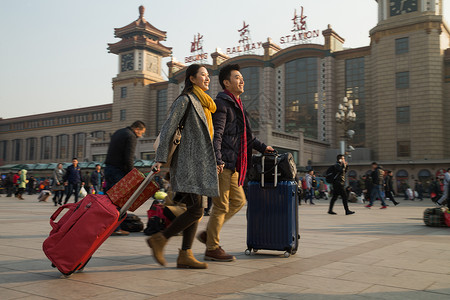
{"points": [[193, 169], [58, 184], [22, 184]]}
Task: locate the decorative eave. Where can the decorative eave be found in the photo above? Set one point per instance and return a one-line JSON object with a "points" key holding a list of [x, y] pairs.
{"points": [[139, 42], [140, 34], [140, 26]]}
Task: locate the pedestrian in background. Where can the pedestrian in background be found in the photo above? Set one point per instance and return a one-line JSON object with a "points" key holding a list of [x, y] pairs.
{"points": [[97, 178], [73, 180], [310, 186], [22, 184], [9, 185], [389, 187], [340, 171], [444, 196], [120, 157], [58, 184], [377, 176]]}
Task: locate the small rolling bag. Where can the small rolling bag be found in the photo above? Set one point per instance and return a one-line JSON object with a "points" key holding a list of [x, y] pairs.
{"points": [[272, 215], [83, 229]]}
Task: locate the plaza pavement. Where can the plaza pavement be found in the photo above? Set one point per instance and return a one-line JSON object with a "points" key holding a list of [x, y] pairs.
{"points": [[373, 254]]}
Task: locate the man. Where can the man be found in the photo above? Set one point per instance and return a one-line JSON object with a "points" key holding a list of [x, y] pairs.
{"points": [[233, 142], [310, 186], [120, 157], [377, 180], [97, 178], [389, 187], [73, 180], [9, 185], [444, 196], [340, 170]]}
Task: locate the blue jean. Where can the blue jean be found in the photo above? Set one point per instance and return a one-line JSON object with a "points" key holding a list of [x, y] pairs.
{"points": [[376, 193], [112, 176], [310, 195]]}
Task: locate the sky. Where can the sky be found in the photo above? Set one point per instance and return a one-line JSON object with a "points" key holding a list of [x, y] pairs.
{"points": [[53, 53]]}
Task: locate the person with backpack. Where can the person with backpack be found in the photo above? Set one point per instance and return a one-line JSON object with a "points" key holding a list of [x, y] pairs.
{"points": [[336, 175], [378, 183]]}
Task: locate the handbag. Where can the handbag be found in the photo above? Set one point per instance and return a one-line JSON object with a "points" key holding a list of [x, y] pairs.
{"points": [[176, 139], [286, 167]]}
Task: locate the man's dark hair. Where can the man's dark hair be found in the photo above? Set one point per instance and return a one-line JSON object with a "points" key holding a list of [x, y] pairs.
{"points": [[225, 73], [339, 156], [74, 158], [97, 165], [374, 163], [138, 125], [448, 169]]}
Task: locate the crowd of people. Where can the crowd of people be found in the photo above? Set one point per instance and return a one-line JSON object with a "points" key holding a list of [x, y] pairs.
{"points": [[62, 184]]}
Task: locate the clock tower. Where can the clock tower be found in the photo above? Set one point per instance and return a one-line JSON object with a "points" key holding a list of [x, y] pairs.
{"points": [[405, 120], [140, 56]]}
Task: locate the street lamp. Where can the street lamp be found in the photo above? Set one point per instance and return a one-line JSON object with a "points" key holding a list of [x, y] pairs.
{"points": [[345, 115]]}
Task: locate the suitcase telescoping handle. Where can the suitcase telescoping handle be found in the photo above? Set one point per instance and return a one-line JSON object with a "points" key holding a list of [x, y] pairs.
{"points": [[138, 191], [275, 181]]}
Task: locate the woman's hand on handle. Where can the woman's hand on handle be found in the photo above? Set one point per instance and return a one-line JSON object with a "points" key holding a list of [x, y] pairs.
{"points": [[157, 167]]}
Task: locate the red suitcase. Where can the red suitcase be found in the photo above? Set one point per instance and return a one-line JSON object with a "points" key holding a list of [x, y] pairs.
{"points": [[83, 229]]}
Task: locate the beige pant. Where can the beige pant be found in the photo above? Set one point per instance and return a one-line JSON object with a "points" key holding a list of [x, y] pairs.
{"points": [[231, 200]]}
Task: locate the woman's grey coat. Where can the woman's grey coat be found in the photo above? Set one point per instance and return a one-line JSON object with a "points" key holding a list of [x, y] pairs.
{"points": [[193, 168]]}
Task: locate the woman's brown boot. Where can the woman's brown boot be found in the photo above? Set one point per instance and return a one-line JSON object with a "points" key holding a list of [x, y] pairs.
{"points": [[157, 242], [186, 260]]}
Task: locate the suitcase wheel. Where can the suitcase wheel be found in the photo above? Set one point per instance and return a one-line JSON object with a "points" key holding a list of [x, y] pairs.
{"points": [[248, 252], [53, 266], [287, 254]]}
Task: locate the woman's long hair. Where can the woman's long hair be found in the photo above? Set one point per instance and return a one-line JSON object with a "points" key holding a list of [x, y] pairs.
{"points": [[190, 71]]}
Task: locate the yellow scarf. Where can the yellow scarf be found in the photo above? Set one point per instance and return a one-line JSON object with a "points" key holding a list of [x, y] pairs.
{"points": [[209, 107]]}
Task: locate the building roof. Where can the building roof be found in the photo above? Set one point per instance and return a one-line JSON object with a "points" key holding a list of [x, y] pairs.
{"points": [[140, 34]]}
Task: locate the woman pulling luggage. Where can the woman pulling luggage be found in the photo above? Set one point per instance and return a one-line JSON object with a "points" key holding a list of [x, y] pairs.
{"points": [[195, 152]]}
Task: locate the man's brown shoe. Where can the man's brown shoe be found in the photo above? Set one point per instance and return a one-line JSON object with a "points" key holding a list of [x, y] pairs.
{"points": [[201, 237], [218, 255]]}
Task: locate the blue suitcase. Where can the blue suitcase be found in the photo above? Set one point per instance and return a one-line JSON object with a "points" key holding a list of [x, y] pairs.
{"points": [[272, 217]]}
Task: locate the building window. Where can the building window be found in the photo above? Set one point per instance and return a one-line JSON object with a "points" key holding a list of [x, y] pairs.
{"points": [[98, 135], [46, 147], [148, 155], [3, 150], [99, 157], [30, 153], [123, 114], [403, 114], [301, 96], [404, 149], [123, 92], [79, 145], [402, 80], [17, 150], [402, 45], [62, 144], [355, 92], [161, 109]]}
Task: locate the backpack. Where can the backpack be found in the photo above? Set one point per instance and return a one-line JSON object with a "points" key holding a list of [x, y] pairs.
{"points": [[434, 217], [330, 175], [132, 223]]}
